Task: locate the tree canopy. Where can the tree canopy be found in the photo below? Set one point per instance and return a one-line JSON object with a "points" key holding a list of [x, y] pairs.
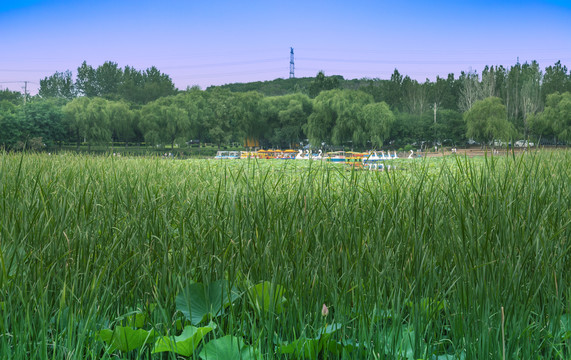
{"points": [[486, 121], [556, 119], [110, 104], [110, 82]]}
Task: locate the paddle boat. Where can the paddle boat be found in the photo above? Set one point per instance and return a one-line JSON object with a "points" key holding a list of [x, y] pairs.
{"points": [[222, 155], [303, 155], [336, 157], [287, 154]]}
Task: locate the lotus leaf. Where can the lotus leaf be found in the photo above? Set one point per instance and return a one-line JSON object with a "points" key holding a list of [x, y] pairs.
{"points": [[565, 326], [186, 343], [267, 297], [228, 348], [198, 301], [310, 348], [125, 338]]}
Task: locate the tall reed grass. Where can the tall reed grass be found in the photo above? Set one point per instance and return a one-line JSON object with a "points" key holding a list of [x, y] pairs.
{"points": [[414, 263]]}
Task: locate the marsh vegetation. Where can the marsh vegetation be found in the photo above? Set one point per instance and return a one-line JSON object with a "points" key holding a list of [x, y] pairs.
{"points": [[448, 258]]}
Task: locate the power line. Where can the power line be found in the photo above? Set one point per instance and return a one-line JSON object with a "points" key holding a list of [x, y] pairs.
{"points": [[25, 70], [18, 82], [416, 62], [234, 63], [219, 75]]}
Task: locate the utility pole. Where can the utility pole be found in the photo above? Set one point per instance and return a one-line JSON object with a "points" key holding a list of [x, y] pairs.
{"points": [[435, 122], [25, 91], [291, 65]]}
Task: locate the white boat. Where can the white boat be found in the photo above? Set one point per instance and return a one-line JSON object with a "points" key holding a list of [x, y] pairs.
{"points": [[303, 156], [233, 155], [222, 155]]}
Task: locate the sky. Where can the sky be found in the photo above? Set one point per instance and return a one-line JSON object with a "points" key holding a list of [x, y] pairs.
{"points": [[213, 42]]}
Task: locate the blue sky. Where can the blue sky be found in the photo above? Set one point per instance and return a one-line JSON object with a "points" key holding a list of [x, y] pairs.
{"points": [[216, 42]]}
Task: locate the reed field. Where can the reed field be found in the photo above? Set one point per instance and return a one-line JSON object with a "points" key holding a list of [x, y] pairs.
{"points": [[150, 258]]}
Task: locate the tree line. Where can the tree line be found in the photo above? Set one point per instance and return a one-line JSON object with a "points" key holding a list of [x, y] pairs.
{"points": [[109, 104]]}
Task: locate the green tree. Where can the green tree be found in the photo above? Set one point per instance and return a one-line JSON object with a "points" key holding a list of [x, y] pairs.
{"points": [[375, 87], [75, 113], [96, 128], [109, 77], [486, 121], [165, 121], [415, 100], [156, 85], [219, 120], [512, 98], [348, 127], [13, 97], [470, 90], [42, 120], [131, 88], [409, 128], [112, 82], [323, 83], [178, 124], [150, 123], [541, 127], [248, 120], [378, 119], [86, 81], [450, 127], [489, 86], [530, 92], [88, 120], [557, 113], [443, 93], [556, 79], [142, 87], [59, 85], [321, 121], [394, 91], [269, 109], [10, 129], [284, 119], [121, 120], [336, 117], [292, 118], [194, 101]]}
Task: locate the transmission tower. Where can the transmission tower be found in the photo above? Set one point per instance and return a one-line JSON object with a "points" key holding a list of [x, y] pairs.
{"points": [[291, 65]]}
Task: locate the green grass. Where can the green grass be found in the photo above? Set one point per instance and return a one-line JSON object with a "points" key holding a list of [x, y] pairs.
{"points": [[415, 263]]}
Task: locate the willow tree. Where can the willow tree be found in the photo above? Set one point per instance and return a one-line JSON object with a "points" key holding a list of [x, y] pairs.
{"points": [[558, 114], [121, 120], [96, 128], [336, 117], [75, 113], [164, 121], [487, 121], [378, 119]]}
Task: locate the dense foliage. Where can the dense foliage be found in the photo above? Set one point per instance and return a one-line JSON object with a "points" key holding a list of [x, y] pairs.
{"points": [[446, 258], [109, 104]]}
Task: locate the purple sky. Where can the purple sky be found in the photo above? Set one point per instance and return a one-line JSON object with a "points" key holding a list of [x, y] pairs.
{"points": [[217, 42]]}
